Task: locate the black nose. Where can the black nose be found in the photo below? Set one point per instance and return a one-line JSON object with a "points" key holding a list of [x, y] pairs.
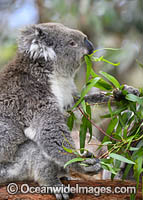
{"points": [[89, 46]]}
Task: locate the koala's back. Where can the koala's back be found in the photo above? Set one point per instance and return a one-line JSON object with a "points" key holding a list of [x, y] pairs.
{"points": [[20, 93]]}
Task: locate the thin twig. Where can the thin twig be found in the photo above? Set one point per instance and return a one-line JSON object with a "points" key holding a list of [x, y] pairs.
{"points": [[100, 129], [105, 155]]}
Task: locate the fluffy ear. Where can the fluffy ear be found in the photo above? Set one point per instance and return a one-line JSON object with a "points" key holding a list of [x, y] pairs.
{"points": [[32, 41], [26, 35]]}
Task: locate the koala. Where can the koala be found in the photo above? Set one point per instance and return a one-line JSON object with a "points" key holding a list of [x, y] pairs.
{"points": [[35, 90]]}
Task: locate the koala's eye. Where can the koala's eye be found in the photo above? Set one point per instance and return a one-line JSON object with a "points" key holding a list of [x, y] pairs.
{"points": [[72, 43]]}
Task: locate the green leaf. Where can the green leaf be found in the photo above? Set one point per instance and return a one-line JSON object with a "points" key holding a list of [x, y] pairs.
{"points": [[111, 49], [134, 98], [127, 117], [82, 133], [138, 168], [109, 62], [70, 121], [86, 90], [101, 58], [73, 161], [89, 125], [111, 79], [121, 158], [133, 148], [128, 167], [112, 125], [138, 153], [115, 112], [106, 143], [108, 167], [139, 63], [67, 149], [103, 85], [93, 74], [89, 86], [83, 104], [110, 109], [117, 166]]}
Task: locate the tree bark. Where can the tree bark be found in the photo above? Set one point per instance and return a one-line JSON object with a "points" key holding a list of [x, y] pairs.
{"points": [[98, 183]]}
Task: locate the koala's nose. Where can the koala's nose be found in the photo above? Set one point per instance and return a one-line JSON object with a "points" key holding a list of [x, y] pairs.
{"points": [[89, 46]]}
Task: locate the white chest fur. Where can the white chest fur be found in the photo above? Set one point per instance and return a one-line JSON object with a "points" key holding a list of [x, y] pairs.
{"points": [[63, 89], [30, 133]]}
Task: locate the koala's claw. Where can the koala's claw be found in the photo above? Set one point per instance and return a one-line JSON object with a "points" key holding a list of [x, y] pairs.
{"points": [[93, 166], [89, 155], [61, 196]]}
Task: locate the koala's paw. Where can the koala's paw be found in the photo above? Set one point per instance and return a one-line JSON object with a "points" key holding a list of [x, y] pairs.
{"points": [[132, 90], [119, 94], [91, 166]]}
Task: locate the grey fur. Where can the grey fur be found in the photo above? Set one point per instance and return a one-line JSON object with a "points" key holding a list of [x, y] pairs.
{"points": [[34, 90]]}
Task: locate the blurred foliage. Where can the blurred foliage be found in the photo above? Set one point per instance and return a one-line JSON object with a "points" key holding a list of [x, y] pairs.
{"points": [[108, 23], [7, 52]]}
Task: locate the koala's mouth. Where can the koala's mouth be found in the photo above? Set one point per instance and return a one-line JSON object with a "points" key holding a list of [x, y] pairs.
{"points": [[84, 55]]}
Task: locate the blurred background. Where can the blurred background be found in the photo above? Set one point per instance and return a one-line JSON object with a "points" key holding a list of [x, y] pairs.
{"points": [[108, 23]]}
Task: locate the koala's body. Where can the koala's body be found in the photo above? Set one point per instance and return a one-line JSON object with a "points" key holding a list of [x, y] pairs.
{"points": [[35, 89]]}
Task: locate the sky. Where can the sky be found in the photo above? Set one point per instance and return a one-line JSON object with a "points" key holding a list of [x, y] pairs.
{"points": [[24, 15]]}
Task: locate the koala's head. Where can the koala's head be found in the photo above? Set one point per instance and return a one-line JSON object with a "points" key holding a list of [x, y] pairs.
{"points": [[55, 44]]}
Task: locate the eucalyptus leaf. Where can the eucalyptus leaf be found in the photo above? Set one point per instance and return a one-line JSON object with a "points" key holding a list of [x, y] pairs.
{"points": [[111, 79], [121, 158], [134, 98], [82, 133], [86, 90], [67, 149], [108, 167], [73, 161], [70, 121], [133, 148]]}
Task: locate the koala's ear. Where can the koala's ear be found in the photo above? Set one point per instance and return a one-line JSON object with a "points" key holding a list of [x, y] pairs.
{"points": [[33, 41], [38, 32], [25, 38]]}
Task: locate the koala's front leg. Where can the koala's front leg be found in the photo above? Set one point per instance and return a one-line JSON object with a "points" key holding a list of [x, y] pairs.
{"points": [[98, 97], [102, 97]]}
